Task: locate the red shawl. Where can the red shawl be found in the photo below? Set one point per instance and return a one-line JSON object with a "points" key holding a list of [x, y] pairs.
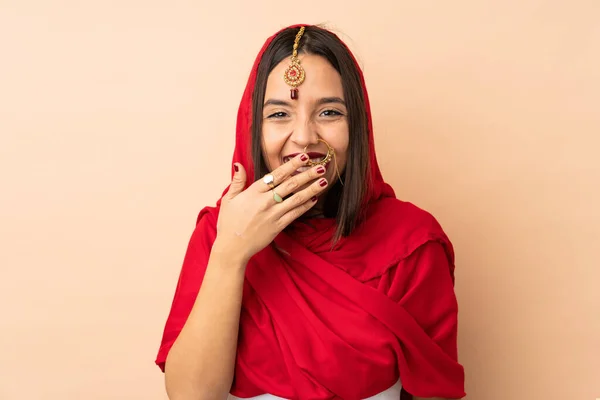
{"points": [[342, 324]]}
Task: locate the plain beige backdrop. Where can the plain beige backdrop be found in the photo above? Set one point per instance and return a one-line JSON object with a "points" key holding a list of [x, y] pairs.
{"points": [[117, 124]]}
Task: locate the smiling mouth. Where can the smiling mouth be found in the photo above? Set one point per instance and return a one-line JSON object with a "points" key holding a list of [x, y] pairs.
{"points": [[315, 159]]}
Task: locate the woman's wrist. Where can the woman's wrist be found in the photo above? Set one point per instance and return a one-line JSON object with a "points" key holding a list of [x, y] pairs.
{"points": [[227, 255]]}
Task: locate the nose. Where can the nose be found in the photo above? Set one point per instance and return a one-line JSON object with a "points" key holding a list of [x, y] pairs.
{"points": [[304, 133]]}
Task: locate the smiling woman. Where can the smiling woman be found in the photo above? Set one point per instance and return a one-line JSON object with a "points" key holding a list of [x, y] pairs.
{"points": [[311, 280], [329, 104], [313, 122]]}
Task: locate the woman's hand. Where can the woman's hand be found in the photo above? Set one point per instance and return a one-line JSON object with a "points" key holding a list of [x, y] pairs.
{"points": [[250, 219]]}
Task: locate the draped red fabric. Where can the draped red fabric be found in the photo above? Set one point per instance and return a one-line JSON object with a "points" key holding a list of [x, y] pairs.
{"points": [[346, 323]]}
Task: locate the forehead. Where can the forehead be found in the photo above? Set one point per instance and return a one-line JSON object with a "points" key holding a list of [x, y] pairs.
{"points": [[322, 80]]}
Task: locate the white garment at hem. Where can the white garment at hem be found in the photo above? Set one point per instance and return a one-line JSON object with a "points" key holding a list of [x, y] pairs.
{"points": [[392, 393]]}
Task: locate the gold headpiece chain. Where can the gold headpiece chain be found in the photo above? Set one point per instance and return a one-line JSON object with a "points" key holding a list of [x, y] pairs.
{"points": [[294, 74]]}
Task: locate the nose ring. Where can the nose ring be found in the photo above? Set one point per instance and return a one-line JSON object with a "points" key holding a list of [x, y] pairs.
{"points": [[327, 158]]}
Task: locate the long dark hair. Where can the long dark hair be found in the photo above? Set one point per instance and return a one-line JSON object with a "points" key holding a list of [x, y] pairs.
{"points": [[343, 202]]}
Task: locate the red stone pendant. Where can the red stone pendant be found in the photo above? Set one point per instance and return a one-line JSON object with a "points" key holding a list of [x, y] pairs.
{"points": [[294, 76]]}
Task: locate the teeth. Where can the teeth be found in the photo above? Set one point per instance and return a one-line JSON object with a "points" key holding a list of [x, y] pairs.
{"points": [[314, 160]]}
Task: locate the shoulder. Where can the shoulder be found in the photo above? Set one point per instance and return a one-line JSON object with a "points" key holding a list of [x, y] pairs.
{"points": [[404, 220], [397, 229], [207, 217], [204, 231], [394, 233]]}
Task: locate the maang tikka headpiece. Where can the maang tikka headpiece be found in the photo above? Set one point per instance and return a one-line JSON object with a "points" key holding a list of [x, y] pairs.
{"points": [[294, 74]]}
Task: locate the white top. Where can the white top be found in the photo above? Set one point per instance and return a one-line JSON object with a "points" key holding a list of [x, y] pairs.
{"points": [[392, 393]]}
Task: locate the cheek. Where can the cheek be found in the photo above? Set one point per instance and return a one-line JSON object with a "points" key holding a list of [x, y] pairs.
{"points": [[341, 160], [339, 140], [272, 145]]}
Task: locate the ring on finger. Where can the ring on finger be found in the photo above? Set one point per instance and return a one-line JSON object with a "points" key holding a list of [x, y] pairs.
{"points": [[269, 179], [276, 197]]}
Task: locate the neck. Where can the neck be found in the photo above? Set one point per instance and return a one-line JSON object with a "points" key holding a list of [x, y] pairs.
{"points": [[318, 210], [314, 213]]}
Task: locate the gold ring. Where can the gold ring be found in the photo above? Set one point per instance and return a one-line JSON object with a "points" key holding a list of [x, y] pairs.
{"points": [[269, 180], [276, 197]]}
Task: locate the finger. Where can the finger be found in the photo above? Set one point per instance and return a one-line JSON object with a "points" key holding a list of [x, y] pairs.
{"points": [[283, 172], [238, 182], [295, 213], [301, 197], [292, 184]]}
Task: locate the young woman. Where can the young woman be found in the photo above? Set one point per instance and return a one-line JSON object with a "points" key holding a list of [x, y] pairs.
{"points": [[310, 279]]}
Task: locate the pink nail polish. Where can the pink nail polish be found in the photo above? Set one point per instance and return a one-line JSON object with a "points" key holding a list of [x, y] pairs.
{"points": [[322, 183], [320, 170], [304, 157]]}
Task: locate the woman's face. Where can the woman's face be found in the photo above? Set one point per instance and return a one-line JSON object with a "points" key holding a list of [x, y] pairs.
{"points": [[319, 112]]}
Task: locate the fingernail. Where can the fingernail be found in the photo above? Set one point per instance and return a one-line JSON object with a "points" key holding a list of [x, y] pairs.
{"points": [[321, 170], [304, 157], [323, 182], [237, 169], [314, 199]]}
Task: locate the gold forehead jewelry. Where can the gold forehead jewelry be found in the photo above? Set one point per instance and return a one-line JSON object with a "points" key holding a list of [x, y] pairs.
{"points": [[294, 74]]}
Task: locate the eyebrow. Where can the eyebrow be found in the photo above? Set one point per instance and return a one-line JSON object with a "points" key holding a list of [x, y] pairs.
{"points": [[275, 102], [327, 100], [324, 100]]}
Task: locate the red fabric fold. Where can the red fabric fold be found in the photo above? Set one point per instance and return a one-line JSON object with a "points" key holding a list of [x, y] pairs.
{"points": [[341, 324]]}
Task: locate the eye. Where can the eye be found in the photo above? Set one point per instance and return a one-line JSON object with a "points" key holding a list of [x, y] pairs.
{"points": [[277, 115], [331, 113]]}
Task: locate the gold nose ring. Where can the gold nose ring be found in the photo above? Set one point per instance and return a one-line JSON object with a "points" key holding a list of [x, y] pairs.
{"points": [[327, 158]]}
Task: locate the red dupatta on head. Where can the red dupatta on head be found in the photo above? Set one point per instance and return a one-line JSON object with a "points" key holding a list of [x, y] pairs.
{"points": [[342, 324]]}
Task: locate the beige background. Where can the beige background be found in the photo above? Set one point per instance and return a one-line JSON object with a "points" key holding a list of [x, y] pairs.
{"points": [[117, 125]]}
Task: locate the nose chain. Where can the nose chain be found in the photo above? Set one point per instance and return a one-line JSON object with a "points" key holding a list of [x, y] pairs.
{"points": [[328, 157]]}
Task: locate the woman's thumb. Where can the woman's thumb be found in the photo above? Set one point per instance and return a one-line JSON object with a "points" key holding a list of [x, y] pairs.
{"points": [[238, 182]]}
